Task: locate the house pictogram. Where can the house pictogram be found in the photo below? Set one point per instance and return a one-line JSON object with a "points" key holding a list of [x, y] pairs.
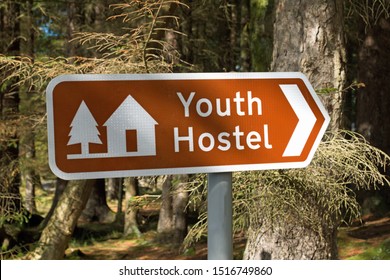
{"points": [[129, 116]]}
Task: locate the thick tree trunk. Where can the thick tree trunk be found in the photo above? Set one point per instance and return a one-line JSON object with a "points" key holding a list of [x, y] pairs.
{"points": [[289, 238], [97, 209], [56, 235], [131, 213], [308, 37]]}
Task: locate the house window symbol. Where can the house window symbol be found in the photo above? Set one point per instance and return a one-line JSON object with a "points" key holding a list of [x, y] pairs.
{"points": [[129, 122]]}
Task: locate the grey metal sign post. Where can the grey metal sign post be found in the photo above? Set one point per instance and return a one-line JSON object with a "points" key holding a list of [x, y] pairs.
{"points": [[220, 213]]}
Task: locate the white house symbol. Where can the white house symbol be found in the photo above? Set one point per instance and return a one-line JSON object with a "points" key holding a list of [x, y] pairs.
{"points": [[130, 115]]}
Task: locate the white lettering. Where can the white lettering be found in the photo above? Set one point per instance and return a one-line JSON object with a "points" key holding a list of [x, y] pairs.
{"points": [[227, 108], [225, 143], [238, 100], [252, 100], [208, 105], [205, 107], [186, 103], [237, 133], [189, 138], [253, 137], [201, 144], [266, 140]]}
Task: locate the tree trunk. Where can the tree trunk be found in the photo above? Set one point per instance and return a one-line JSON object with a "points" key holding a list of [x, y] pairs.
{"points": [[131, 212], [308, 37], [97, 209], [289, 238], [60, 188], [30, 177], [113, 188], [30, 180], [245, 50], [172, 223], [120, 199], [72, 25], [56, 235], [180, 200], [165, 223]]}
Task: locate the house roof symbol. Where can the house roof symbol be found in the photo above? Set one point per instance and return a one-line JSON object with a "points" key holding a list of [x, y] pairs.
{"points": [[130, 115]]}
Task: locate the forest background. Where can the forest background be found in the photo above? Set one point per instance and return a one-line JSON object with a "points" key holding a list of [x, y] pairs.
{"points": [[342, 47]]}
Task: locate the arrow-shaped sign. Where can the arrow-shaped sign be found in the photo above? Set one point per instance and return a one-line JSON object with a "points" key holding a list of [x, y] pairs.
{"points": [[306, 120], [181, 123]]}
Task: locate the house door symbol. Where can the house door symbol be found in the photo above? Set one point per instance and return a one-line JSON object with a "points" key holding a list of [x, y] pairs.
{"points": [[129, 116]]}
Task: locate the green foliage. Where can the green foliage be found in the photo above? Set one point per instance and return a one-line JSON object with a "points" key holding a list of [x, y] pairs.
{"points": [[11, 210], [380, 252]]}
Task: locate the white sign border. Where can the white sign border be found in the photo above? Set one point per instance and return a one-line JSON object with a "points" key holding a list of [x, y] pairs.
{"points": [[176, 76]]}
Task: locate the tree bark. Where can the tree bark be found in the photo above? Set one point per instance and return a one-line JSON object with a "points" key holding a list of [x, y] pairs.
{"points": [[245, 50], [56, 235], [113, 188], [165, 222], [172, 223], [97, 209], [30, 177], [59, 190], [289, 238], [120, 199], [72, 25], [131, 213], [308, 37], [30, 180], [180, 200]]}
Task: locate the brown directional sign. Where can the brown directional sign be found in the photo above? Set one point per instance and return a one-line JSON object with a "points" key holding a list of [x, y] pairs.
{"points": [[103, 126]]}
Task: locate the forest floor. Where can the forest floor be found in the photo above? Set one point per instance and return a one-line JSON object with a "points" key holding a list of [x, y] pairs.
{"points": [[104, 242], [370, 240]]}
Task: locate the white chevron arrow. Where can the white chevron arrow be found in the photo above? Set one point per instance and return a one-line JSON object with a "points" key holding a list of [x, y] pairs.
{"points": [[306, 120]]}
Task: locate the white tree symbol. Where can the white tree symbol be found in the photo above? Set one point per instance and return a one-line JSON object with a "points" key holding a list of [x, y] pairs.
{"points": [[84, 129]]}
